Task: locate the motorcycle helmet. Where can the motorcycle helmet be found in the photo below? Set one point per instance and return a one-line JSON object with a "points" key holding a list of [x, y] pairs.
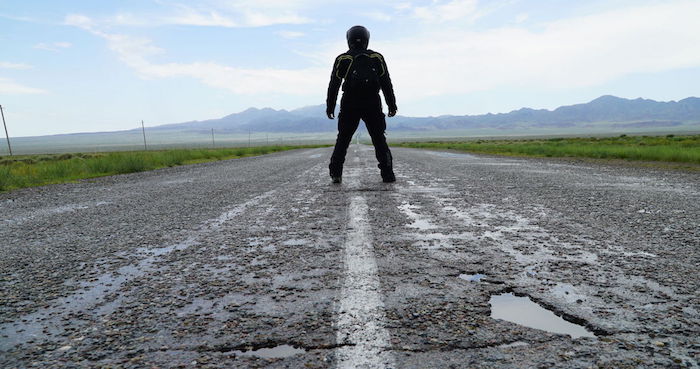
{"points": [[358, 37]]}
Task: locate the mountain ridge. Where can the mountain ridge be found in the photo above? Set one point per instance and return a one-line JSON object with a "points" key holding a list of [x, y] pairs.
{"points": [[618, 112], [606, 108]]}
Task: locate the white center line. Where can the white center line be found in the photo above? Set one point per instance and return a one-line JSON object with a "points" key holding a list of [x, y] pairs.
{"points": [[361, 318]]}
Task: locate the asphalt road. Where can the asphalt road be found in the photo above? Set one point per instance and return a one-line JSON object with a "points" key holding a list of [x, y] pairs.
{"points": [[262, 262]]}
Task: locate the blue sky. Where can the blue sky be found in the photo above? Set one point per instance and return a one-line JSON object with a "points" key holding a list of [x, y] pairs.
{"points": [[84, 65]]}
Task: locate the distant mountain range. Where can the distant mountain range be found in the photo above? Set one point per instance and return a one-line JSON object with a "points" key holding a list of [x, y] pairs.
{"points": [[603, 116], [307, 119], [612, 111]]}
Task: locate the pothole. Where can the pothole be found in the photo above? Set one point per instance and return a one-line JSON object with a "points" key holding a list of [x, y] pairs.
{"points": [[276, 352], [472, 277], [523, 311]]}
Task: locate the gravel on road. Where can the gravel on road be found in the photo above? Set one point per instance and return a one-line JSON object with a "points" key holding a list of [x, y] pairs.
{"points": [[262, 262]]}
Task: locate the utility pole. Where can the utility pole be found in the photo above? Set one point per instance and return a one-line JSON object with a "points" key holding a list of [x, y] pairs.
{"points": [[9, 147], [6, 135], [143, 129], [213, 145]]}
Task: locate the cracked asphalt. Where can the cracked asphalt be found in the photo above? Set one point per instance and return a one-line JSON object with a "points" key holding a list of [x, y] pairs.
{"points": [[262, 262]]}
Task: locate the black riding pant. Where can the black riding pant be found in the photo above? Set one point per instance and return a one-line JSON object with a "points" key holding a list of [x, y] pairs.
{"points": [[348, 120]]}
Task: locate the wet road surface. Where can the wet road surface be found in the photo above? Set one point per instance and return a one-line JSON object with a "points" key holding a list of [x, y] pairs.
{"points": [[466, 261]]}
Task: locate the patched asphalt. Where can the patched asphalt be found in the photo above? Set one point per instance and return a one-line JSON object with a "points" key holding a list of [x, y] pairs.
{"points": [[254, 263]]}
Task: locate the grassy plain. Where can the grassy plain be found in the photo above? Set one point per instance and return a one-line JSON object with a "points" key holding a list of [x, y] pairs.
{"points": [[36, 170], [669, 148]]}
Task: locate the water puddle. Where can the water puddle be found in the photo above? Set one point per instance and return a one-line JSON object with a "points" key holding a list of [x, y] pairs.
{"points": [[155, 252], [295, 242], [257, 241], [513, 344], [276, 352], [639, 253], [447, 154], [433, 241], [472, 277], [92, 295], [418, 220], [95, 297], [55, 211], [494, 163], [531, 272], [523, 311], [478, 215], [236, 211]]}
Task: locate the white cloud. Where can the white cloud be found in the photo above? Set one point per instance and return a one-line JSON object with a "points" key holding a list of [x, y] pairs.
{"points": [[79, 20], [53, 46], [239, 80], [576, 52], [257, 13], [455, 59], [290, 34], [19, 19], [9, 87], [378, 16], [403, 6], [191, 17], [441, 11], [136, 52], [18, 66], [522, 17], [211, 14]]}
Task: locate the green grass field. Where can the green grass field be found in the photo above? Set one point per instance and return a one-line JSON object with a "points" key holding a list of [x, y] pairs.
{"points": [[36, 170], [670, 148]]}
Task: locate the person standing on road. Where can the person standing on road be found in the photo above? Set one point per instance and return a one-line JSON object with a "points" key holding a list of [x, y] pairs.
{"points": [[364, 73]]}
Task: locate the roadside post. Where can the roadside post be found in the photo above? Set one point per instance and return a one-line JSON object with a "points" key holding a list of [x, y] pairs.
{"points": [[143, 129], [9, 147]]}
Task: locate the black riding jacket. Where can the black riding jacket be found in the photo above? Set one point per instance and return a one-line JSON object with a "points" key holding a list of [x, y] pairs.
{"points": [[342, 67]]}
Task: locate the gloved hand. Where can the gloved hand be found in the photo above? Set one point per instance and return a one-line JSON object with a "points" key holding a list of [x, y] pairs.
{"points": [[392, 111], [330, 113]]}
